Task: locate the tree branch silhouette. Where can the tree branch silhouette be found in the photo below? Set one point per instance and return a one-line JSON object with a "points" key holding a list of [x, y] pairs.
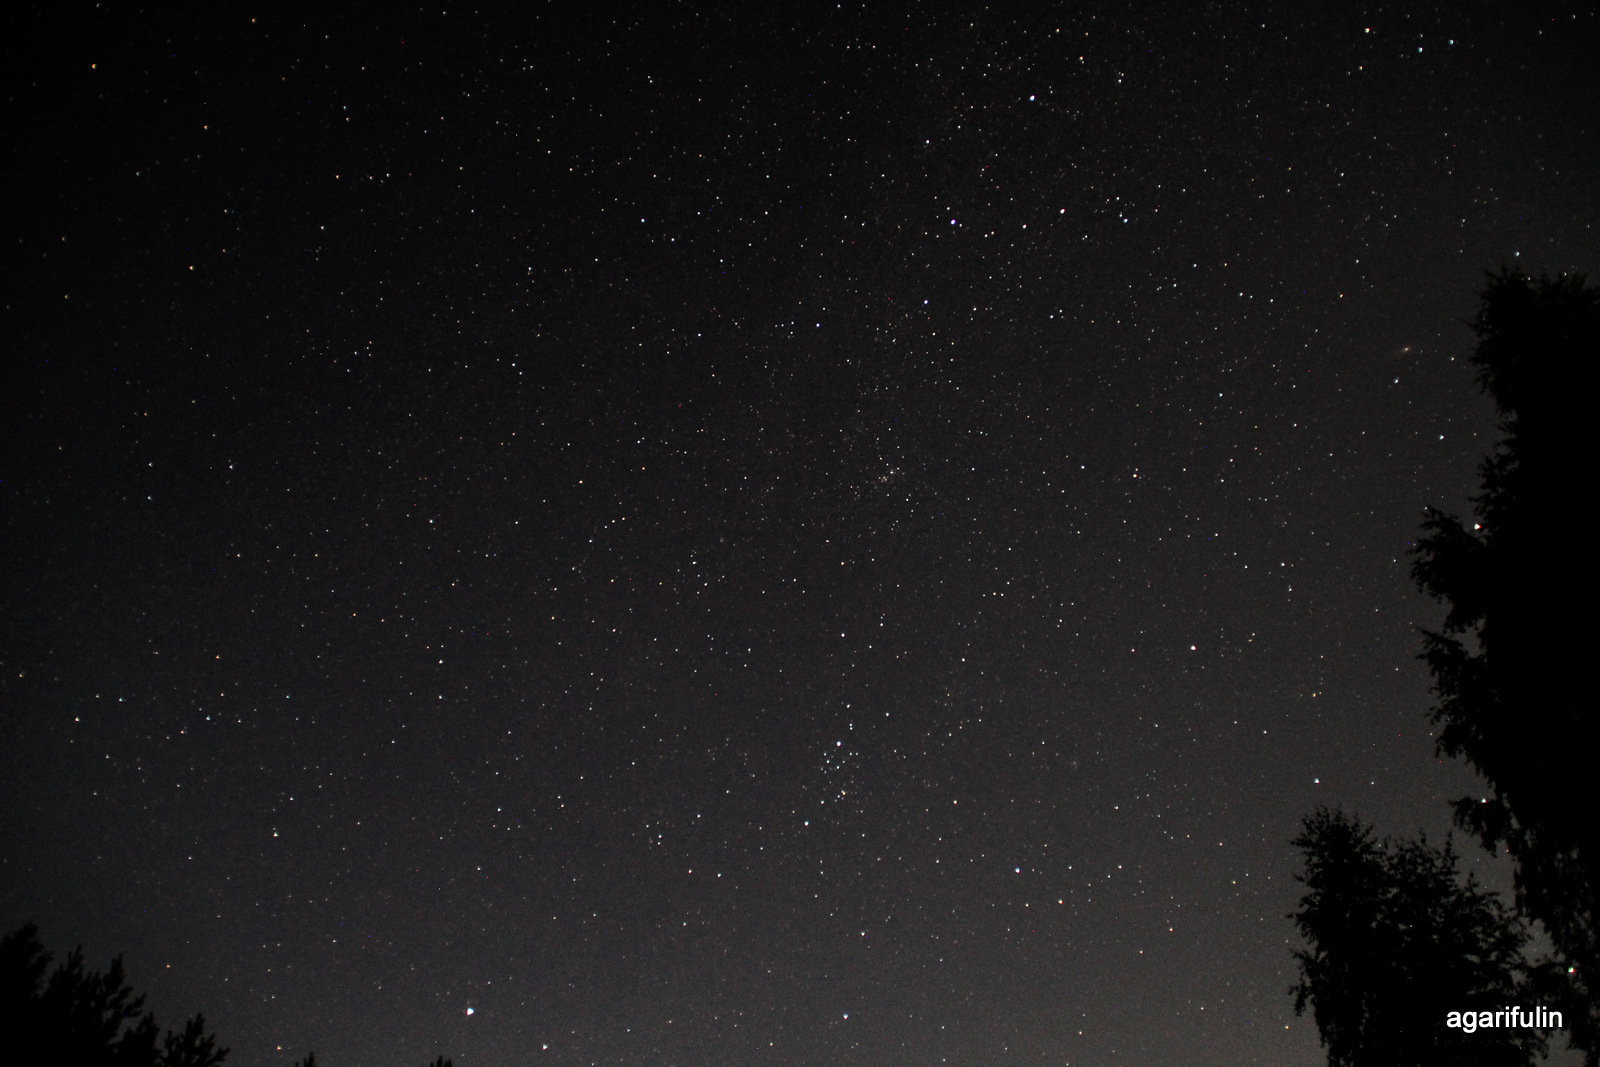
{"points": [[1510, 663]]}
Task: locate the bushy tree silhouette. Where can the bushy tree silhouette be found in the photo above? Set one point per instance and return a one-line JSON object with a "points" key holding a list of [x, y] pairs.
{"points": [[1510, 664], [1396, 941], [82, 1018]]}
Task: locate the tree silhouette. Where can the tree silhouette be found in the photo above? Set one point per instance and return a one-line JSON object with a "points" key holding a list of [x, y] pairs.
{"points": [[1397, 941], [1510, 663], [81, 1018]]}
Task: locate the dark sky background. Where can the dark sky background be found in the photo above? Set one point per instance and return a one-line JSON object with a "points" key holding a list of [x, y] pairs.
{"points": [[700, 537]]}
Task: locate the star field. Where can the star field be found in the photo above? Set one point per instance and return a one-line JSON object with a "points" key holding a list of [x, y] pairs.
{"points": [[676, 536]]}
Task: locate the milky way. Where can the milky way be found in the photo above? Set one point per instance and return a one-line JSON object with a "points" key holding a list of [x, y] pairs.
{"points": [[680, 538]]}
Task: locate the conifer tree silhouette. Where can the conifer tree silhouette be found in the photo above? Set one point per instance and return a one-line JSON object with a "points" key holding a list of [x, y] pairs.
{"points": [[82, 1018], [1511, 662]]}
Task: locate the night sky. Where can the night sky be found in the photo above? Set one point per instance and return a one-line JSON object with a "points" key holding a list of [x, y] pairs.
{"points": [[683, 536]]}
